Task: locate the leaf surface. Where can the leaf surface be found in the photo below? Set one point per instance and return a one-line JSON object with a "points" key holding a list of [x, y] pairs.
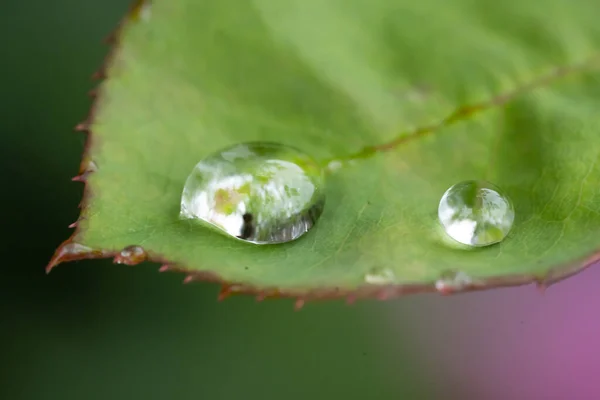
{"points": [[398, 99]]}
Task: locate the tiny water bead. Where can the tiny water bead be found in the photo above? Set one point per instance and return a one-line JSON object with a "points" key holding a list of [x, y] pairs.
{"points": [[476, 213], [453, 281], [130, 255], [259, 192], [380, 276]]}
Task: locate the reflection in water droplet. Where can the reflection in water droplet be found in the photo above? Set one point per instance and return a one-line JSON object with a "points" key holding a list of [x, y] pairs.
{"points": [[259, 192], [476, 213], [452, 281], [380, 276]]}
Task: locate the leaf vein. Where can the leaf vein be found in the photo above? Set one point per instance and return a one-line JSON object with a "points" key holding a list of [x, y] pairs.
{"points": [[465, 112]]}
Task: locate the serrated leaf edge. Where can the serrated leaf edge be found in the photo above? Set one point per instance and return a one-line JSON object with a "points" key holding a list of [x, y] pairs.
{"points": [[70, 250]]}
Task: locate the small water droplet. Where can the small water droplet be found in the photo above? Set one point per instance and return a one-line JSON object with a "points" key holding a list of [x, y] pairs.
{"points": [[145, 12], [141, 10], [71, 251], [453, 281], [380, 276], [476, 213], [88, 166], [259, 192], [334, 165], [131, 255]]}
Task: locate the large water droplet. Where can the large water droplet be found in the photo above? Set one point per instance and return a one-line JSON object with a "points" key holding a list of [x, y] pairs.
{"points": [[258, 192], [476, 213]]}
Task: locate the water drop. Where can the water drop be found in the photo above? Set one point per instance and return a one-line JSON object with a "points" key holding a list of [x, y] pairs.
{"points": [[72, 251], [259, 192], [141, 10], [130, 255], [476, 213], [145, 11], [380, 276], [453, 281], [334, 165]]}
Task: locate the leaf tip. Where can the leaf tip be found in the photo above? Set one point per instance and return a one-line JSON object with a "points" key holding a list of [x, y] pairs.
{"points": [[71, 251]]}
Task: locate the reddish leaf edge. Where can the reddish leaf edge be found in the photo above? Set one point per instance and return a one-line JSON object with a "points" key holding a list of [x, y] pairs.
{"points": [[134, 255], [70, 250]]}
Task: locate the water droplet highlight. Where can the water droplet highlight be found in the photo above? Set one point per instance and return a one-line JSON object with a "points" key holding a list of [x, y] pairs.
{"points": [[259, 192], [141, 10], [71, 251], [453, 281], [145, 11], [334, 165], [380, 276], [476, 213], [131, 255]]}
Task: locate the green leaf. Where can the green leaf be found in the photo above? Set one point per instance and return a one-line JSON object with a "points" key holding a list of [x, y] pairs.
{"points": [[400, 99]]}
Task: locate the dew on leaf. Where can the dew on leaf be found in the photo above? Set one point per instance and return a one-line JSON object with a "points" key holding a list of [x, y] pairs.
{"points": [[141, 10], [130, 255], [145, 12], [453, 281], [380, 276], [259, 192], [476, 213], [334, 165]]}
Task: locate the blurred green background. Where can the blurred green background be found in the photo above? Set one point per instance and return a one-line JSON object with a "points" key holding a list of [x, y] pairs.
{"points": [[94, 330]]}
